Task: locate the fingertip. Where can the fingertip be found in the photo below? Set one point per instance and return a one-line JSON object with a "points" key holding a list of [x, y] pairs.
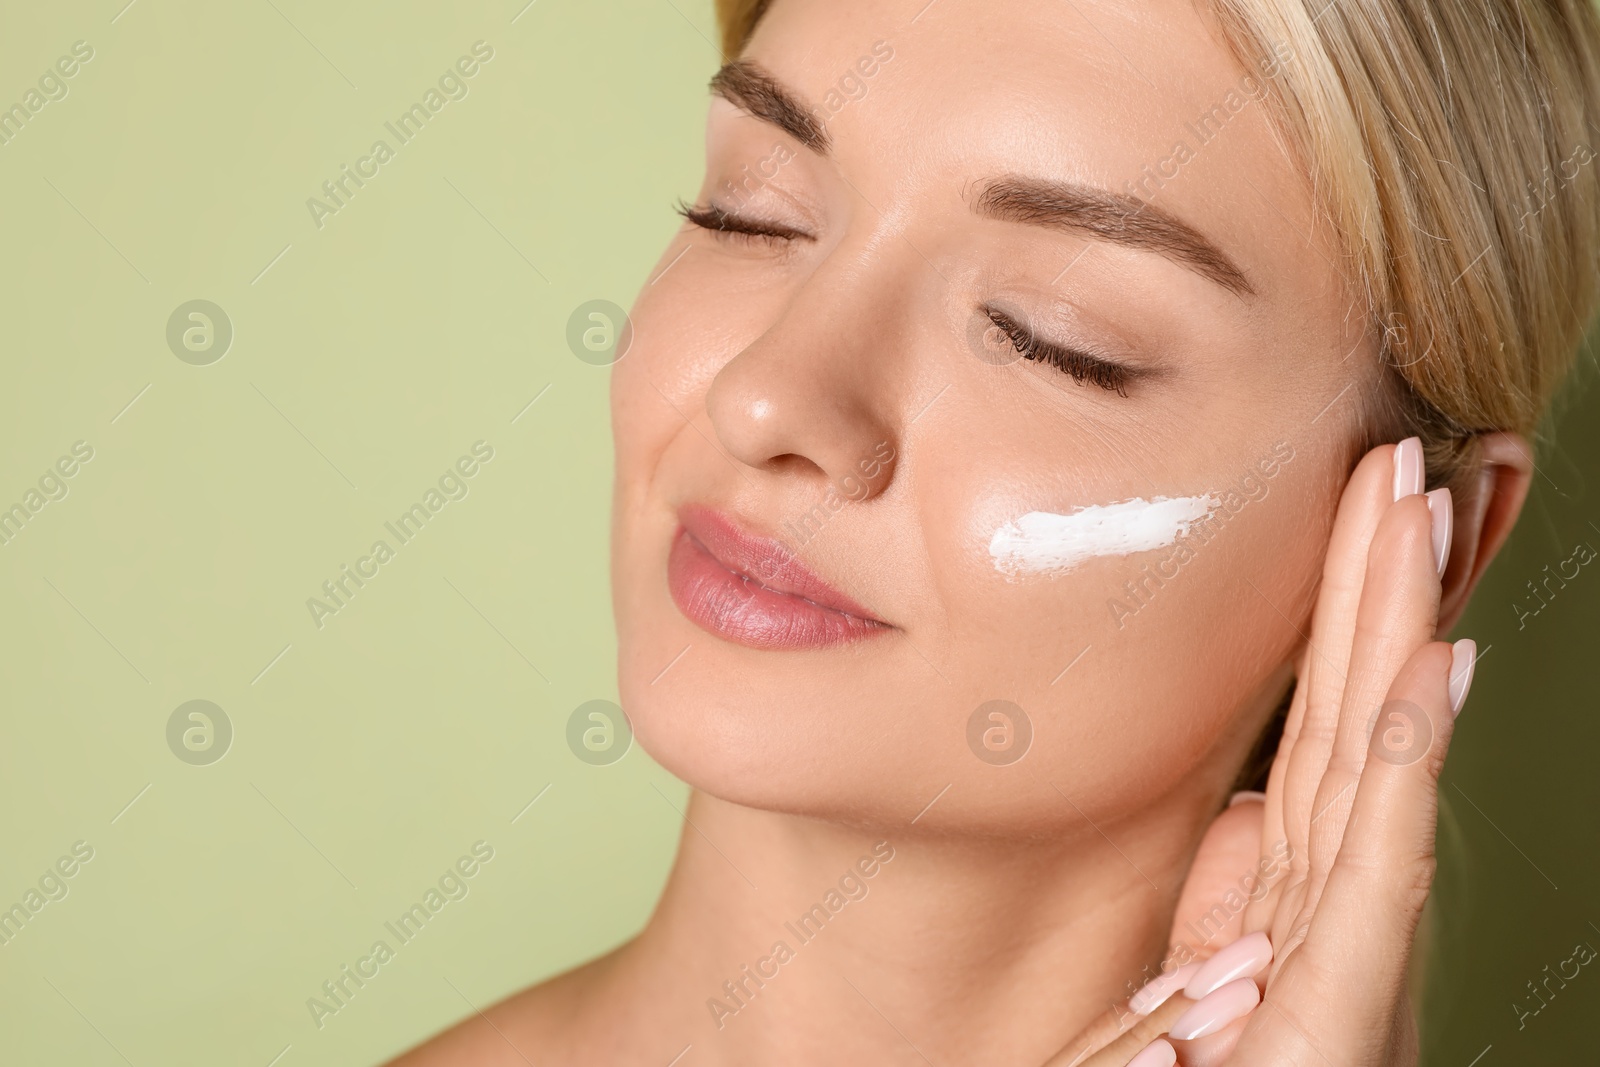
{"points": [[1463, 661], [1410, 474], [1441, 519], [1157, 1053], [1419, 679]]}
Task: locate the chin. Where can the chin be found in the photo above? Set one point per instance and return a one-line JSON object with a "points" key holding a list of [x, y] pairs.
{"points": [[740, 735]]}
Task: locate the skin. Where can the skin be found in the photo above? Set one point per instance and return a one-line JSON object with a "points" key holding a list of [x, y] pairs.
{"points": [[1026, 898]]}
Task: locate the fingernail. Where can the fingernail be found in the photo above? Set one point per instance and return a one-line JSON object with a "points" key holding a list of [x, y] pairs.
{"points": [[1156, 1054], [1245, 958], [1463, 658], [1218, 1009], [1408, 472], [1441, 513], [1244, 795], [1159, 989]]}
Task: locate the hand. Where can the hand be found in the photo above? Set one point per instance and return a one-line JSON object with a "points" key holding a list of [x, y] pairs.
{"points": [[1319, 976]]}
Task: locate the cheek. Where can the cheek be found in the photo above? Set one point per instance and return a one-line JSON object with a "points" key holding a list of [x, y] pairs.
{"points": [[1186, 647], [1130, 666], [679, 345]]}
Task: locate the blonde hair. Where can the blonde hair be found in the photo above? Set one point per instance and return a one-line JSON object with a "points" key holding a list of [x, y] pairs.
{"points": [[1449, 142]]}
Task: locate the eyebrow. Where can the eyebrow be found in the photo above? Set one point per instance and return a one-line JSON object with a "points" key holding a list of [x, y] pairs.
{"points": [[1120, 219], [749, 87], [1063, 205]]}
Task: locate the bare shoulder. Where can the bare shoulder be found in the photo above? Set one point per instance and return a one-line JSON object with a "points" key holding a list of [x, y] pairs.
{"points": [[537, 1025]]}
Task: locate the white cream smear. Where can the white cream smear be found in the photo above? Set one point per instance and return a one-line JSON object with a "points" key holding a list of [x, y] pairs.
{"points": [[1043, 542]]}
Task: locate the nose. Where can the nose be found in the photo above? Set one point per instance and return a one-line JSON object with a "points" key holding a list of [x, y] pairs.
{"points": [[816, 396]]}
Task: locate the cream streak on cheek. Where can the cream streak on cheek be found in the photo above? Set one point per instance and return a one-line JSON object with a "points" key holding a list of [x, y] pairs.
{"points": [[1043, 542]]}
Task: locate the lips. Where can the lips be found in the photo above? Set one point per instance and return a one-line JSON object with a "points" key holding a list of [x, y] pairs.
{"points": [[752, 591]]}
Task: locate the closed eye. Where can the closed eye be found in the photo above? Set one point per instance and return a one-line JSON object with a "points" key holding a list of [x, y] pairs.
{"points": [[722, 222], [1083, 368]]}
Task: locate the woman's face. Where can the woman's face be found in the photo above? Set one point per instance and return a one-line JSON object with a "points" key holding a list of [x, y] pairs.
{"points": [[908, 193]]}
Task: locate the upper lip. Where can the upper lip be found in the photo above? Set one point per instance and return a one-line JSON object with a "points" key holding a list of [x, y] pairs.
{"points": [[765, 561]]}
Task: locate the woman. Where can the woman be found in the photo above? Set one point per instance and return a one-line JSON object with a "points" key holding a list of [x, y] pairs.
{"points": [[1006, 472]]}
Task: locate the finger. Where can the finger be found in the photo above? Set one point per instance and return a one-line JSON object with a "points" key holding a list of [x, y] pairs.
{"points": [[1340, 991], [1369, 494], [1225, 871], [1214, 1050], [1221, 879], [1118, 1050], [1313, 714], [1272, 816], [1398, 615], [1274, 842]]}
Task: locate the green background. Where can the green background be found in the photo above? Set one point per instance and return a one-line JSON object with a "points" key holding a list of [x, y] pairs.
{"points": [[368, 355]]}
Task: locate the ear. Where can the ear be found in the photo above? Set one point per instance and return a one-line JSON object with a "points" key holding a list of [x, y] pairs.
{"points": [[1484, 520]]}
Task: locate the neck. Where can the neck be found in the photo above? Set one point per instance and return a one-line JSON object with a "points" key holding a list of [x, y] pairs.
{"points": [[778, 933]]}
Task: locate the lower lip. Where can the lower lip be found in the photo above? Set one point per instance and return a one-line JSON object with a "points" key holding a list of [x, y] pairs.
{"points": [[740, 609]]}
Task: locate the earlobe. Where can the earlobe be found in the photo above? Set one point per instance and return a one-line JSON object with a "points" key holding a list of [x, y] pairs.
{"points": [[1484, 518]]}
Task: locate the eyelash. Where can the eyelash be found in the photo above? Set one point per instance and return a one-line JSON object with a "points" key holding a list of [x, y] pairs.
{"points": [[728, 225], [1084, 369]]}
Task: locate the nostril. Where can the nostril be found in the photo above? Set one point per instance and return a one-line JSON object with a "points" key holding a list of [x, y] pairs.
{"points": [[806, 410]]}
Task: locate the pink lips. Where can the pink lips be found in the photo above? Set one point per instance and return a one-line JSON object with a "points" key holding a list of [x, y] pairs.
{"points": [[752, 591]]}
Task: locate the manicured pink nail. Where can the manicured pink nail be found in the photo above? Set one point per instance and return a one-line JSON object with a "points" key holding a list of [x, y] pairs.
{"points": [[1408, 472], [1463, 658], [1245, 958], [1218, 1009], [1156, 1054], [1245, 795], [1441, 515], [1159, 989]]}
